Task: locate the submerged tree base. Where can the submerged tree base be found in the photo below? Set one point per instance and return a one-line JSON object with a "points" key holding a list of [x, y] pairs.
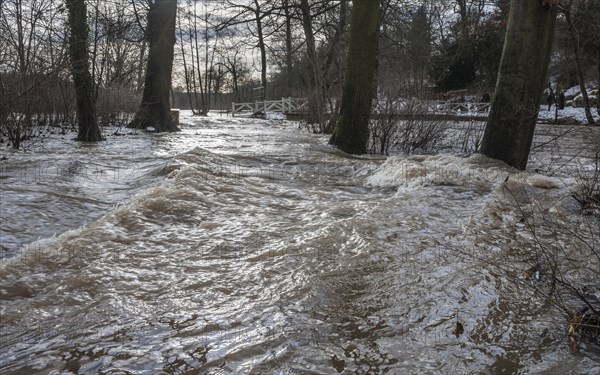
{"points": [[144, 119], [90, 135]]}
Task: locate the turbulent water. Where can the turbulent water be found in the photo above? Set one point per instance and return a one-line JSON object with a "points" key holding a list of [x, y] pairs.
{"points": [[251, 247]]}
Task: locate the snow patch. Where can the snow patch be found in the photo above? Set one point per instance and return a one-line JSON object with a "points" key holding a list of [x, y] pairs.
{"points": [[572, 92], [275, 116], [577, 114], [150, 129]]}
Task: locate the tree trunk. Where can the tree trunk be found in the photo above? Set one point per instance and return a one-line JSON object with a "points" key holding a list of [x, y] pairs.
{"points": [[208, 66], [577, 54], [315, 95], [521, 79], [155, 110], [84, 87], [199, 71], [329, 59], [24, 56], [140, 69], [352, 129], [598, 95], [289, 61], [188, 86], [263, 50]]}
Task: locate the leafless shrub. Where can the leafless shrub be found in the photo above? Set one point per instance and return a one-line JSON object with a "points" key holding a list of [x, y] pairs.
{"points": [[15, 128], [116, 105], [588, 181], [470, 138], [563, 274], [46, 101], [406, 126], [384, 127]]}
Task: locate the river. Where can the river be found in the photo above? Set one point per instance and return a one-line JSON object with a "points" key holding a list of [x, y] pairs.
{"points": [[241, 246]]}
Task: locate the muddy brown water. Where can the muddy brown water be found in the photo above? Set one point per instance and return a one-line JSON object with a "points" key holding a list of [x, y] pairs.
{"points": [[251, 247]]}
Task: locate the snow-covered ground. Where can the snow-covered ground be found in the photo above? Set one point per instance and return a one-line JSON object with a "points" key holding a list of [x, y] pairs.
{"points": [[577, 115]]}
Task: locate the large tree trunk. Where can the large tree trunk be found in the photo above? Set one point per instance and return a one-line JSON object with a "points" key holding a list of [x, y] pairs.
{"points": [[155, 110], [580, 76], [521, 79], [352, 128], [84, 87]]}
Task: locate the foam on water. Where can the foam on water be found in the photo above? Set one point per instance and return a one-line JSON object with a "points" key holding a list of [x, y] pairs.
{"points": [[438, 170]]}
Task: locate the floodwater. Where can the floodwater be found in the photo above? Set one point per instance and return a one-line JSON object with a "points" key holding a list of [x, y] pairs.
{"points": [[243, 246]]}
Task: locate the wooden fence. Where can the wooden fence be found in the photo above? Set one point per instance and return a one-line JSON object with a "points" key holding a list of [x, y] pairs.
{"points": [[285, 105], [300, 106]]}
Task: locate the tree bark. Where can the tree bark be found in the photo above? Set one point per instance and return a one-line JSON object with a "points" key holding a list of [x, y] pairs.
{"points": [[198, 65], [155, 110], [80, 67], [580, 76], [262, 48], [352, 128], [598, 96], [521, 80], [140, 68], [329, 59], [315, 95], [188, 86], [289, 61]]}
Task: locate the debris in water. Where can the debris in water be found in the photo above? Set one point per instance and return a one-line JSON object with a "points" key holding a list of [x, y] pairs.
{"points": [[352, 351], [534, 272], [338, 364], [573, 344], [459, 329], [585, 322]]}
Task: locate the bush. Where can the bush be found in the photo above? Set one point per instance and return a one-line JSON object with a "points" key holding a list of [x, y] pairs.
{"points": [[588, 184], [405, 126]]}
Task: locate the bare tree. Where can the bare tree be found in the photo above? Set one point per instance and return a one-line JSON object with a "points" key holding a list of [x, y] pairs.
{"points": [[319, 64], [566, 9], [36, 89], [315, 91], [80, 67], [233, 59], [253, 14]]}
